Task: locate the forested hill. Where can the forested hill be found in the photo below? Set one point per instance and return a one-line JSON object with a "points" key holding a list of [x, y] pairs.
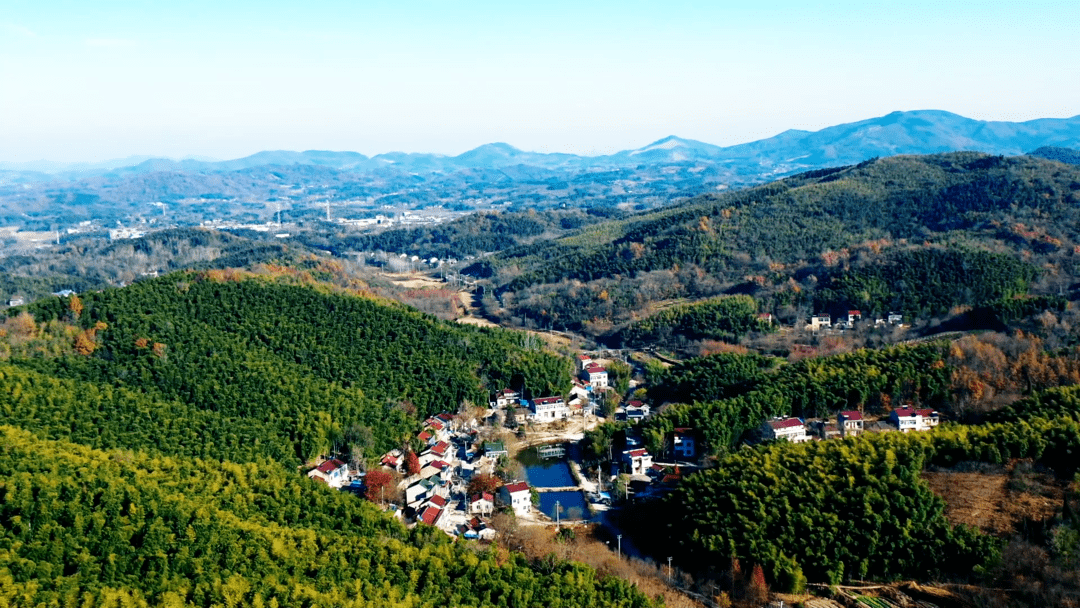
{"points": [[88, 264], [771, 238], [93, 528], [1062, 155], [150, 438], [195, 365]]}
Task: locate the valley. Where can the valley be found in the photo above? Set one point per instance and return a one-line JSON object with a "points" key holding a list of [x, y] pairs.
{"points": [[863, 373]]}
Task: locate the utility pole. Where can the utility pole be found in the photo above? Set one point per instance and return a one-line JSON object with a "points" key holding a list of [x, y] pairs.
{"points": [[556, 515], [620, 546], [669, 567]]}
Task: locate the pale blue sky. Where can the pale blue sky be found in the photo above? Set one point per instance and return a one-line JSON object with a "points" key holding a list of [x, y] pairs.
{"points": [[104, 79]]}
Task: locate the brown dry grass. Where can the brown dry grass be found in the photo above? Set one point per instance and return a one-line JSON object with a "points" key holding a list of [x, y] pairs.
{"points": [[997, 501], [540, 541]]}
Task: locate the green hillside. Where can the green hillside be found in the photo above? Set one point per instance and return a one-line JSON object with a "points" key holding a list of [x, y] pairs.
{"points": [[120, 528], [151, 438], [281, 370], [779, 240], [856, 508]]}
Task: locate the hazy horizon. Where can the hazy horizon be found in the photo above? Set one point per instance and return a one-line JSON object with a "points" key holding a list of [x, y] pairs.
{"points": [[91, 83]]}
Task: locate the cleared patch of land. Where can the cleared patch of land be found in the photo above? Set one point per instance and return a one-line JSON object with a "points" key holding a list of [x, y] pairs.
{"points": [[997, 500]]}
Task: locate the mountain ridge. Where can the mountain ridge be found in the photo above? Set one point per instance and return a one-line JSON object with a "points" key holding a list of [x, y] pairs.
{"points": [[899, 132]]}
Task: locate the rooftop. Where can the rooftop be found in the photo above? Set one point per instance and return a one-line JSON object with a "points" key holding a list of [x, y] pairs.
{"points": [[330, 465], [785, 423]]}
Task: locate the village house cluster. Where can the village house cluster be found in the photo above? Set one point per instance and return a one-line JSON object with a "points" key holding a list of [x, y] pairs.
{"points": [[451, 450], [849, 423], [451, 454], [824, 321]]}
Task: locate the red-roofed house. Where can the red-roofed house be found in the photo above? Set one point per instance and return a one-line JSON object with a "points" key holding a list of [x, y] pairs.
{"points": [[481, 504], [636, 411], [426, 437], [517, 496], [850, 422], [334, 472], [791, 429], [584, 361], [441, 449], [907, 418], [437, 501], [438, 428], [391, 461], [430, 516], [596, 376], [638, 461]]}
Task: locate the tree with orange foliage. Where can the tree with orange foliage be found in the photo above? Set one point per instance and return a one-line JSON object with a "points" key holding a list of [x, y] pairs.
{"points": [[84, 342], [483, 483], [412, 463], [376, 482], [758, 592], [75, 305]]}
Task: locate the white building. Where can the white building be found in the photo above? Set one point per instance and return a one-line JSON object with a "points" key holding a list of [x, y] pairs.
{"points": [[849, 422], [505, 398], [821, 321], [481, 504], [547, 409], [639, 461], [517, 496], [596, 376], [908, 418], [584, 361], [791, 429], [334, 472]]}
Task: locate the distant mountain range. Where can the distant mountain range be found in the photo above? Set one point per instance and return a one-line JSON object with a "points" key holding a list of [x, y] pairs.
{"points": [[915, 132]]}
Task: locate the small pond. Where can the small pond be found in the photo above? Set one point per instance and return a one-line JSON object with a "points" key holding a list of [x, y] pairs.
{"points": [[571, 504], [550, 473]]}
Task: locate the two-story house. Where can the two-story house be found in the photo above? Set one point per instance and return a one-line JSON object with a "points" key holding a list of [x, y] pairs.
{"points": [[907, 418], [637, 461], [850, 423], [820, 321], [481, 504], [682, 441], [636, 411], [791, 429], [517, 496], [547, 409], [505, 398], [596, 376]]}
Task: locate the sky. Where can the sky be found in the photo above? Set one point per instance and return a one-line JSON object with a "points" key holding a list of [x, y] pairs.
{"points": [[89, 81]]}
